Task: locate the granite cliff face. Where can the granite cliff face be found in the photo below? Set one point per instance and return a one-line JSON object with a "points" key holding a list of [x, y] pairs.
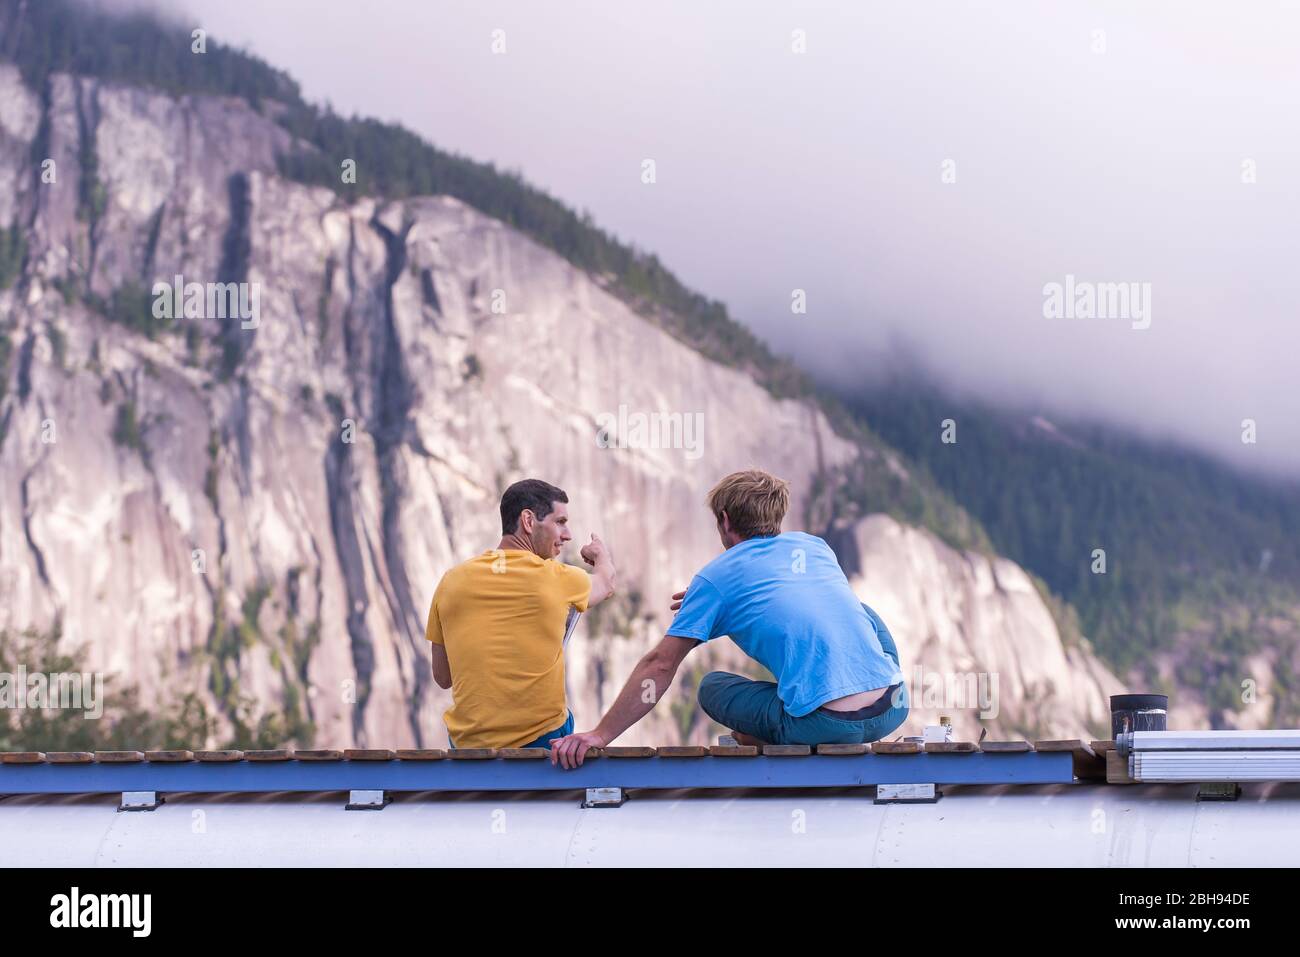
{"points": [[262, 513], [969, 629]]}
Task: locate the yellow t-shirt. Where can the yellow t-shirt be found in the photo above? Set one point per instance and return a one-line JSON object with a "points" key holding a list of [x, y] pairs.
{"points": [[501, 617]]}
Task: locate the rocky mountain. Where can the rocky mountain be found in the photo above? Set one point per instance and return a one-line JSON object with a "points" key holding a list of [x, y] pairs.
{"points": [[257, 508]]}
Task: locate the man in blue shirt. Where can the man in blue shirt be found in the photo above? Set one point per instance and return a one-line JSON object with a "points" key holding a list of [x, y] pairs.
{"points": [[784, 600]]}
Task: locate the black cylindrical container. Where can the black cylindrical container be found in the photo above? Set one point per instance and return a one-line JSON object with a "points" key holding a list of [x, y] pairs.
{"points": [[1137, 712]]}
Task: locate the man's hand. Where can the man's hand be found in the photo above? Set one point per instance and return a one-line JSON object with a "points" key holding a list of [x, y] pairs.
{"points": [[568, 752], [592, 551], [677, 600], [604, 577], [648, 683]]}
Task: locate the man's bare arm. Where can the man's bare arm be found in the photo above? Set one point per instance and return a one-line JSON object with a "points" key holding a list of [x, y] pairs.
{"points": [[650, 680], [441, 666], [604, 576]]}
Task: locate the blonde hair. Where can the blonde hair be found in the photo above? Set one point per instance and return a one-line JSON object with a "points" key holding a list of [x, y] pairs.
{"points": [[755, 502]]}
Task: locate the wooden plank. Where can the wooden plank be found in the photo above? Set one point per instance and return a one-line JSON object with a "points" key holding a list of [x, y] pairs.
{"points": [[844, 749], [277, 754], [1067, 744], [1005, 747], [524, 754], [169, 756], [318, 755], [628, 752], [118, 757], [1117, 768], [895, 747], [786, 750], [22, 757], [69, 757], [472, 754], [951, 747], [733, 750], [420, 754], [1101, 747], [217, 757], [1087, 763], [684, 751], [368, 754]]}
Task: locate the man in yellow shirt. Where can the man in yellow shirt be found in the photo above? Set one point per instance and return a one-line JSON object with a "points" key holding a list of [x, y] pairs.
{"points": [[497, 624]]}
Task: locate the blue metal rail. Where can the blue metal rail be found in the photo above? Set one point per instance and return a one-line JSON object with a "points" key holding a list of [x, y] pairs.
{"points": [[812, 771]]}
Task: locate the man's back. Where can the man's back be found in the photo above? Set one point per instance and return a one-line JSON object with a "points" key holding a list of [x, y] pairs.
{"points": [[501, 617], [785, 601]]}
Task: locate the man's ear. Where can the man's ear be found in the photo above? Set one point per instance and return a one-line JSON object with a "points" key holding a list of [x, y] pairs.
{"points": [[526, 521], [724, 522]]}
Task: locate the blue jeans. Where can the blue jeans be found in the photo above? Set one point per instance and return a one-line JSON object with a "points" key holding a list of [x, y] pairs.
{"points": [[753, 708], [545, 740]]}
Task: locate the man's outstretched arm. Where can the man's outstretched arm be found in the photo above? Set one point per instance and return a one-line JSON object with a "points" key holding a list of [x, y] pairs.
{"points": [[649, 682]]}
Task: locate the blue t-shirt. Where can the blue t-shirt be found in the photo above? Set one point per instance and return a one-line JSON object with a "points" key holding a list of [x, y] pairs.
{"points": [[785, 601]]}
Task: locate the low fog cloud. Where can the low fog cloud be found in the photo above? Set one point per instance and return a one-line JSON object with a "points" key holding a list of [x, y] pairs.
{"points": [[922, 172]]}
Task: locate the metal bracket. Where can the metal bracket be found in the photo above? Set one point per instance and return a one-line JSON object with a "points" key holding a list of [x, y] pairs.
{"points": [[368, 800], [605, 797], [140, 801], [1218, 791], [907, 794]]}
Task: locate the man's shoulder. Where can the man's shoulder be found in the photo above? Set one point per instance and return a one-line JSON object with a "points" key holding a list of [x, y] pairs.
{"points": [[759, 548], [562, 569], [715, 568], [803, 538], [493, 568], [469, 565], [461, 571], [810, 545], [756, 554]]}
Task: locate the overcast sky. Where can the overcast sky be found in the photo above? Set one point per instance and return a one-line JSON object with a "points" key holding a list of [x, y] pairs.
{"points": [[1107, 141]]}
